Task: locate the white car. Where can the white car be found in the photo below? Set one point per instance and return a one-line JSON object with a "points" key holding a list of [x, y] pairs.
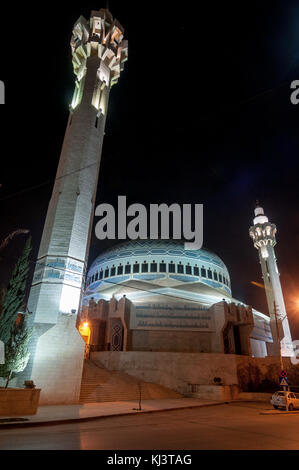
{"points": [[280, 399]]}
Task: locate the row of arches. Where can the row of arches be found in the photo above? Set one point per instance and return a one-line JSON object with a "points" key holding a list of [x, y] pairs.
{"points": [[158, 267]]}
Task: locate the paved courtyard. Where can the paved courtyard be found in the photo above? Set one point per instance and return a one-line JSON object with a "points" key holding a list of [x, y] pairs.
{"points": [[227, 426]]}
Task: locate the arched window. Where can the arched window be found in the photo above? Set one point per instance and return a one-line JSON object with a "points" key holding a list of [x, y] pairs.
{"points": [[120, 270], [171, 267], [162, 267], [128, 269], [180, 268], [136, 267], [144, 267], [154, 267], [112, 271]]}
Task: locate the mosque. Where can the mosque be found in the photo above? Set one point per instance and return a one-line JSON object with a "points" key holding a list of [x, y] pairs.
{"points": [[156, 295], [153, 295], [165, 314], [150, 308]]}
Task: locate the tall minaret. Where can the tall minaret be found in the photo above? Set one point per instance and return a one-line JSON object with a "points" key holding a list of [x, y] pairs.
{"points": [[98, 55], [263, 235]]}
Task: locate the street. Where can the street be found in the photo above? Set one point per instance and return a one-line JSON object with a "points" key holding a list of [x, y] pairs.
{"points": [[224, 427]]}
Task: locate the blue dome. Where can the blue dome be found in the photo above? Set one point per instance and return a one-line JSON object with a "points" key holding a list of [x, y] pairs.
{"points": [[148, 260], [155, 247]]}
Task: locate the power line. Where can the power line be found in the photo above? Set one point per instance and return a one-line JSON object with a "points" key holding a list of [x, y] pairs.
{"points": [[84, 276], [225, 110], [32, 262], [47, 182], [264, 92]]}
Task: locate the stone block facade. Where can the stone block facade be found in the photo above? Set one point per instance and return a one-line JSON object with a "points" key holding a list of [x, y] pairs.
{"points": [[113, 328], [58, 363], [181, 371]]}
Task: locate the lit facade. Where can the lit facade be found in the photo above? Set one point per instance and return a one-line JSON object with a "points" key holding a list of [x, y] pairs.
{"points": [[157, 296], [98, 55]]}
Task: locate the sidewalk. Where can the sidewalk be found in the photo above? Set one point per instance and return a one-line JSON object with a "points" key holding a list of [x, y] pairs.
{"points": [[62, 414]]}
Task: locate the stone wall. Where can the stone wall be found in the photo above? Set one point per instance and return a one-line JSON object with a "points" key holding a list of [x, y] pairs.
{"points": [[172, 370], [229, 328], [58, 363], [178, 370], [257, 374], [171, 341]]}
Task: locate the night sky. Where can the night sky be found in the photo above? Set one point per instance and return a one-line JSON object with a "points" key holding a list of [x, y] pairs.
{"points": [[201, 114]]}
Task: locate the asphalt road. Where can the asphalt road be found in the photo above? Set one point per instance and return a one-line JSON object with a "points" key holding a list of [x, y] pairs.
{"points": [[229, 426]]}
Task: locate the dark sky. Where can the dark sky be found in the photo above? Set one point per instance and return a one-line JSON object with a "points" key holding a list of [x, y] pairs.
{"points": [[201, 114]]}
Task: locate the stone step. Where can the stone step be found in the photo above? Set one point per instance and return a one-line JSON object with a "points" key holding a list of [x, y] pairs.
{"points": [[100, 384]]}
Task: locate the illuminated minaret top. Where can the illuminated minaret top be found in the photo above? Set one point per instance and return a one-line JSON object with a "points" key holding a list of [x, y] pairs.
{"points": [[101, 37], [263, 234]]}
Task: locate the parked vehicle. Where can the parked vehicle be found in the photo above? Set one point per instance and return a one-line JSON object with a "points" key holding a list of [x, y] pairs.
{"points": [[283, 398]]}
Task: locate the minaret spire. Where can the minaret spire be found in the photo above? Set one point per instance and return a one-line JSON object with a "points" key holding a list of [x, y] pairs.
{"points": [[263, 234], [98, 55]]}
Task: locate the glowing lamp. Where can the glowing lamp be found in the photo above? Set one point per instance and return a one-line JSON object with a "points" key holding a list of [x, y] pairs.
{"points": [[84, 331]]}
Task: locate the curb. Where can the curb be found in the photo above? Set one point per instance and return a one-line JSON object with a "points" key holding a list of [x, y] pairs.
{"points": [[92, 418], [286, 413]]}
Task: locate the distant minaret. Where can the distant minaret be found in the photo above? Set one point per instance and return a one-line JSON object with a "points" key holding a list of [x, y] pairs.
{"points": [[98, 55], [263, 235]]}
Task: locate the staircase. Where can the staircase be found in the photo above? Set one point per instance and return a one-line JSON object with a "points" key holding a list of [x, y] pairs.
{"points": [[100, 384]]}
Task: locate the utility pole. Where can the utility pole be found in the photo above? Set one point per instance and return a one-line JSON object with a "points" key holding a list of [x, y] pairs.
{"points": [[285, 388], [278, 335]]}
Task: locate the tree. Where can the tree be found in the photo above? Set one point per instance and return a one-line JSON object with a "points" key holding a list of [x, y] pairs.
{"points": [[2, 297], [13, 322], [15, 295], [16, 351], [4, 242]]}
